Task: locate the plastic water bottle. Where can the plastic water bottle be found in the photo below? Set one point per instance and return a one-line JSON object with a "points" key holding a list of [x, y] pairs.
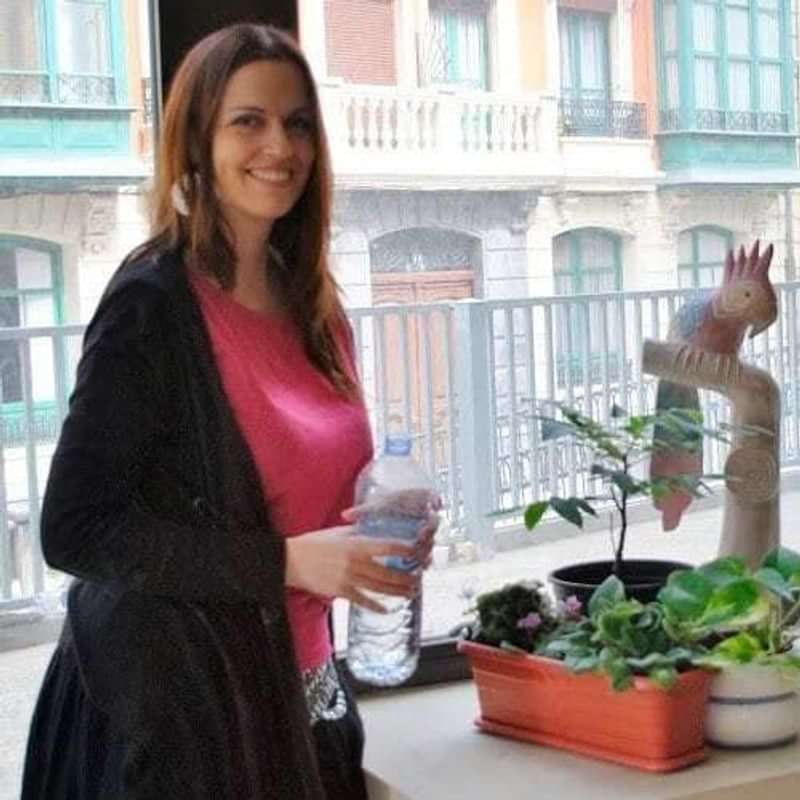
{"points": [[383, 649]]}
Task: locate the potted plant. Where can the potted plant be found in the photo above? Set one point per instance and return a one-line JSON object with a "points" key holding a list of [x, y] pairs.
{"points": [[618, 452], [748, 620], [611, 684]]}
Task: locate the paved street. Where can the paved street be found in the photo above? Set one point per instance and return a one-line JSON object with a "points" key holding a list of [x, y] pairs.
{"points": [[447, 593]]}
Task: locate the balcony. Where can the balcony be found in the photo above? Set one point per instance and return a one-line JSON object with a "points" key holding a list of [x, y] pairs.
{"points": [[704, 119], [37, 88], [717, 146], [393, 138], [583, 116], [605, 145], [64, 126], [466, 378], [390, 138]]}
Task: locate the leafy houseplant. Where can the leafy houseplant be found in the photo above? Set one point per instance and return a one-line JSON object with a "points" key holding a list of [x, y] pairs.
{"points": [[749, 622], [543, 675], [619, 451], [622, 683], [749, 617], [621, 638]]}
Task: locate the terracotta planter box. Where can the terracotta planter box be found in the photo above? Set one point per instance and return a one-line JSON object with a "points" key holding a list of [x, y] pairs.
{"points": [[539, 700]]}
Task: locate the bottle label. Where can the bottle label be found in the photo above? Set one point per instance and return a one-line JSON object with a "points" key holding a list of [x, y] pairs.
{"points": [[392, 526]]}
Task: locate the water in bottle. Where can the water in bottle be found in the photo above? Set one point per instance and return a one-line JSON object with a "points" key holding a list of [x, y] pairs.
{"points": [[383, 649]]}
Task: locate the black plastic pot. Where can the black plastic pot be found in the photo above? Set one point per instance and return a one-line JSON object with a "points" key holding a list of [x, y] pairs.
{"points": [[642, 578]]}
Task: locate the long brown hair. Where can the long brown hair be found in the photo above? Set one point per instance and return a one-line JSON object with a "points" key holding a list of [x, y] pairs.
{"points": [[300, 237]]}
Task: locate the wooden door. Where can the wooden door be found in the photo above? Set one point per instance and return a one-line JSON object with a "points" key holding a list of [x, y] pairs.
{"points": [[417, 353]]}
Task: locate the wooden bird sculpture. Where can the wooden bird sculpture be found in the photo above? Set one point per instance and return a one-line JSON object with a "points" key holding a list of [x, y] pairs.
{"points": [[715, 321]]}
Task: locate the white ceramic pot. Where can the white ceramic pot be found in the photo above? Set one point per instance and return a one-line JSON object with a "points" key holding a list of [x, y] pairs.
{"points": [[752, 706]]}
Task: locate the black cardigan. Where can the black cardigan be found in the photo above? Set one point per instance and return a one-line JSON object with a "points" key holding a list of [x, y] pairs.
{"points": [[153, 501]]}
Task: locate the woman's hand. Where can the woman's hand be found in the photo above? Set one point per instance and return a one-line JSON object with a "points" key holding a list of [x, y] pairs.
{"points": [[338, 563], [417, 503]]}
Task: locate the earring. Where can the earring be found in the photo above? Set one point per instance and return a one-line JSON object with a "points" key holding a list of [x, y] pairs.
{"points": [[178, 195]]}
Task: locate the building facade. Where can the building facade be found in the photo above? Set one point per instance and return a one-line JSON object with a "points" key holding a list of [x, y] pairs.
{"points": [[75, 151], [500, 149], [482, 149]]}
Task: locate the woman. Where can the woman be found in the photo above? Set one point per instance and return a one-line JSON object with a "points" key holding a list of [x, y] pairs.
{"points": [[211, 447]]}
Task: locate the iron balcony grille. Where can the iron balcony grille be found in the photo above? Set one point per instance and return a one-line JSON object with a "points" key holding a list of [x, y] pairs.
{"points": [[37, 88], [24, 87], [147, 100], [709, 119], [86, 90], [582, 116]]}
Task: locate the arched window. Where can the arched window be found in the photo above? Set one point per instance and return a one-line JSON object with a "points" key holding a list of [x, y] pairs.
{"points": [[586, 262], [701, 256], [31, 295]]}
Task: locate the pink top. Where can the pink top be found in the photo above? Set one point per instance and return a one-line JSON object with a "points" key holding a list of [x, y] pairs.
{"points": [[309, 443]]}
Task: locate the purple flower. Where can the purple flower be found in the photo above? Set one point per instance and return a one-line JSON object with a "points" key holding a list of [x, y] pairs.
{"points": [[531, 622], [572, 607]]}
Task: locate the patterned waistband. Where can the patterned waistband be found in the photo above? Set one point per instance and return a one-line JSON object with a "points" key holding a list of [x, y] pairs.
{"points": [[325, 697]]}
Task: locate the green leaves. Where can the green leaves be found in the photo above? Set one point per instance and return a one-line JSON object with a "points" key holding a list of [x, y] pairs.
{"points": [[742, 648], [714, 616], [621, 638], [738, 604], [723, 570], [514, 617], [607, 595], [772, 580], [786, 562], [744, 616], [718, 597], [616, 451], [686, 595], [568, 509], [571, 509], [534, 514]]}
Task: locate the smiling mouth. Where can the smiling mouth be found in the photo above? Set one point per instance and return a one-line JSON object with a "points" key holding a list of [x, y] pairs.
{"points": [[272, 177]]}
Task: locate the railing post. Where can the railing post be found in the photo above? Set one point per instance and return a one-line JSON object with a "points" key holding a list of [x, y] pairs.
{"points": [[474, 421]]}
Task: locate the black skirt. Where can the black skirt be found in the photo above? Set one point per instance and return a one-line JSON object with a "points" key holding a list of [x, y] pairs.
{"points": [[76, 751]]}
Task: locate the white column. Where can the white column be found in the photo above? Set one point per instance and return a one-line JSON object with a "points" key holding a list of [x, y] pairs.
{"points": [[311, 21], [505, 47], [623, 78], [405, 21], [552, 48]]}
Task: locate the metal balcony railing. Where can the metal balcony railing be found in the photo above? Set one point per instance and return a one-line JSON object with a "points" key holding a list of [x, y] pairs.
{"points": [[147, 100], [718, 120], [466, 379], [37, 88], [86, 90], [24, 87], [587, 116]]}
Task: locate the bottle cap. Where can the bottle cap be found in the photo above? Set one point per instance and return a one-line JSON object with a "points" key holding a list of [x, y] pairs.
{"points": [[397, 444]]}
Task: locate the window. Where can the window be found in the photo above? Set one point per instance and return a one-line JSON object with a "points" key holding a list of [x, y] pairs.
{"points": [[671, 80], [22, 62], [583, 40], [20, 35], [586, 107], [63, 53], [585, 262], [83, 41], [734, 64], [458, 46], [701, 256], [30, 296]]}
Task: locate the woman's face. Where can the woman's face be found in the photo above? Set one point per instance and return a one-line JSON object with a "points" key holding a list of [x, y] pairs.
{"points": [[264, 145]]}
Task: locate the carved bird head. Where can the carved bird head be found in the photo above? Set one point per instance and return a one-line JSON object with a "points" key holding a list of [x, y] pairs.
{"points": [[746, 295]]}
